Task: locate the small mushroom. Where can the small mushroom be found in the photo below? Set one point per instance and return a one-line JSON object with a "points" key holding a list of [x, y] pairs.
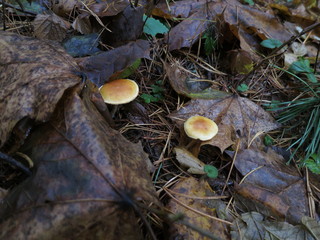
{"points": [[200, 129], [119, 91]]}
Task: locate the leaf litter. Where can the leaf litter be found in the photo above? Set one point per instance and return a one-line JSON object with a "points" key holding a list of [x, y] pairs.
{"points": [[86, 181]]}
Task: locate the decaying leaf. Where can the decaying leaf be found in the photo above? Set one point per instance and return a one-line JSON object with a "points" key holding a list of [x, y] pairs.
{"points": [[253, 225], [223, 139], [274, 188], [100, 67], [246, 117], [242, 20], [50, 26], [86, 180], [63, 8], [182, 83], [186, 159], [189, 193], [124, 27], [33, 77]]}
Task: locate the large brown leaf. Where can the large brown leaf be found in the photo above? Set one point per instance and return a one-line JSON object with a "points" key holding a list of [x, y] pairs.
{"points": [[86, 180], [242, 20], [275, 188], [100, 67], [33, 77], [189, 196]]}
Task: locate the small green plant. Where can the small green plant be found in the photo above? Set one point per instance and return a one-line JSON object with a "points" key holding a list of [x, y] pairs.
{"points": [[211, 171], [268, 141], [157, 93], [313, 163], [210, 40], [303, 66], [271, 43], [243, 87]]}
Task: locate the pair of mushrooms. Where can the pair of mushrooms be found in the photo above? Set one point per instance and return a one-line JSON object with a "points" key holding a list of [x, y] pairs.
{"points": [[123, 91]]}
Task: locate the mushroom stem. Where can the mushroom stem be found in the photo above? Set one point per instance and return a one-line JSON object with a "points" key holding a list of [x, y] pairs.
{"points": [[194, 147]]}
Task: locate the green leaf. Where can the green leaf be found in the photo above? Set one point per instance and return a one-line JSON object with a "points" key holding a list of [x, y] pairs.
{"points": [[153, 26], [268, 141], [149, 98], [312, 78], [157, 89], [249, 2], [300, 66], [271, 43], [313, 163], [211, 171], [242, 87], [131, 69], [209, 44]]}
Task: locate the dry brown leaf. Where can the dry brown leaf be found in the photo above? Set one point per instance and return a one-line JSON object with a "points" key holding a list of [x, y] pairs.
{"points": [[100, 67], [181, 81], [124, 27], [188, 160], [109, 7], [50, 27], [33, 77], [223, 139], [275, 189], [63, 8], [183, 9], [86, 180], [82, 24], [246, 117], [243, 21], [195, 190]]}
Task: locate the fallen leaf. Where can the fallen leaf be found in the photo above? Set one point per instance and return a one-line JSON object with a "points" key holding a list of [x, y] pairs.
{"points": [[247, 118], [81, 46], [239, 61], [182, 9], [50, 26], [188, 160], [124, 27], [223, 139], [100, 67], [63, 8], [108, 8], [33, 77], [253, 225], [181, 82], [87, 179], [275, 187], [82, 24], [242, 20], [189, 192]]}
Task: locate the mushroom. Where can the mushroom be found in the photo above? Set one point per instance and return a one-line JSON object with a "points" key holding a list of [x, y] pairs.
{"points": [[119, 91], [200, 129]]}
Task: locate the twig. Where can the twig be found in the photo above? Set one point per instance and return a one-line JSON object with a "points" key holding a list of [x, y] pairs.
{"points": [[15, 163], [273, 53]]}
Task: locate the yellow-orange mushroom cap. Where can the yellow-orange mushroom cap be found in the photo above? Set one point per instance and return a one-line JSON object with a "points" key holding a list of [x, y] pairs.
{"points": [[119, 91], [198, 127]]}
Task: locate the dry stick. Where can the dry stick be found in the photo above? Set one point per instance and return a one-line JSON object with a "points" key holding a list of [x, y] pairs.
{"points": [[273, 53], [15, 163]]}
